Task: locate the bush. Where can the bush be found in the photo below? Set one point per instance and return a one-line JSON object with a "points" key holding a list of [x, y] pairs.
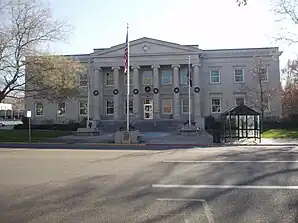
{"points": [[25, 121], [60, 127], [281, 124], [209, 122]]}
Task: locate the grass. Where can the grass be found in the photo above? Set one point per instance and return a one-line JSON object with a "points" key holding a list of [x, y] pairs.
{"points": [[280, 133], [23, 135]]}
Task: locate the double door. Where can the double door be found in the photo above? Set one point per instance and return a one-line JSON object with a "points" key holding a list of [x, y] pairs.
{"points": [[148, 109]]}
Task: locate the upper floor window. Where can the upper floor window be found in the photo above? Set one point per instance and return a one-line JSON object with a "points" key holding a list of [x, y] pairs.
{"points": [[130, 106], [184, 76], [166, 77], [83, 108], [109, 79], [147, 77], [214, 76], [110, 107], [61, 108], [39, 109], [239, 76], [83, 80], [215, 105]]}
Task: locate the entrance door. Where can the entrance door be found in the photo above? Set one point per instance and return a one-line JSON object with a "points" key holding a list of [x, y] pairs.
{"points": [[148, 109]]}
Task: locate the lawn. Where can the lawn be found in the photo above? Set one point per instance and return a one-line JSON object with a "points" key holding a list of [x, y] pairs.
{"points": [[36, 135], [280, 133]]}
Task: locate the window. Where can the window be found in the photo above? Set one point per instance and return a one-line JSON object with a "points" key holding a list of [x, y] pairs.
{"points": [[264, 74], [214, 76], [239, 76], [184, 76], [266, 103], [125, 79], [83, 80], [167, 106], [109, 79], [39, 109], [166, 77], [147, 77], [61, 109], [185, 107], [83, 106], [215, 105], [239, 101], [130, 106], [109, 107]]}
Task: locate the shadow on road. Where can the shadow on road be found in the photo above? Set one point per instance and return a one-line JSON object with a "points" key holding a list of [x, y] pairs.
{"points": [[110, 195]]}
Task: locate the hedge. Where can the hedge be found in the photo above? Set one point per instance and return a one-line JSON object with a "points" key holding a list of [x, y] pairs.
{"points": [[60, 127]]}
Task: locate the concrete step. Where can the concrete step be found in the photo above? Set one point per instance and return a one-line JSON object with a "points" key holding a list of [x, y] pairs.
{"points": [[142, 125]]}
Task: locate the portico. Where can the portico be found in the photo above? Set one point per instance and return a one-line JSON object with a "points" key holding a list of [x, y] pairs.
{"points": [[158, 75]]}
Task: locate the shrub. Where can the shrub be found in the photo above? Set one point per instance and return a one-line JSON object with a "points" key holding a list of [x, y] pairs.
{"points": [[25, 121], [60, 127]]}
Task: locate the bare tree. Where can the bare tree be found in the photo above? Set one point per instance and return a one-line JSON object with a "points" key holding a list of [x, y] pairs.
{"points": [[242, 2], [26, 29], [18, 104], [286, 10], [259, 92]]}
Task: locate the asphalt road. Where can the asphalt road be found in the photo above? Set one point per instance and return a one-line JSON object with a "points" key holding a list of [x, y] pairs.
{"points": [[213, 185]]}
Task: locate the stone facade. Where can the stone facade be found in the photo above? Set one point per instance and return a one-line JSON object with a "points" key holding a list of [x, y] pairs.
{"points": [[223, 77]]}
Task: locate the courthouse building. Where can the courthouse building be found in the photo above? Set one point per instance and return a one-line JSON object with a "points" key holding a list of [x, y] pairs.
{"points": [[221, 78]]}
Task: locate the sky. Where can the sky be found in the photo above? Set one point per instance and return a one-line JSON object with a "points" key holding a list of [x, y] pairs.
{"points": [[211, 24]]}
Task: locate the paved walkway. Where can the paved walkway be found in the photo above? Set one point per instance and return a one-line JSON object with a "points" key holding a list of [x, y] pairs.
{"points": [[175, 139], [161, 138]]}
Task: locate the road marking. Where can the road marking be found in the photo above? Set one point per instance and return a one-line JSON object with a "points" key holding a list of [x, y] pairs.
{"points": [[224, 187], [230, 161], [206, 207]]}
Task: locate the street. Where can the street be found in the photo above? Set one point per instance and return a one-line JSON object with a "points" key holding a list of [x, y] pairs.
{"points": [[212, 185]]}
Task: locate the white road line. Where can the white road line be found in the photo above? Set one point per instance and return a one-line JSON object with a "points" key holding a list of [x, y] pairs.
{"points": [[230, 161], [224, 187], [206, 207]]}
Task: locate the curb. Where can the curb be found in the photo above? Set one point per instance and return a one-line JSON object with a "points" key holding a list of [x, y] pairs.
{"points": [[144, 144], [86, 144], [222, 145]]}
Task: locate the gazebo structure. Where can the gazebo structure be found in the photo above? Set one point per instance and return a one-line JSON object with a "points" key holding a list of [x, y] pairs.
{"points": [[241, 122]]}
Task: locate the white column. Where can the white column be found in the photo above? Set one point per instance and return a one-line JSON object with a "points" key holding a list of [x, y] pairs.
{"points": [[117, 96], [176, 96], [156, 97], [95, 99], [100, 83], [136, 97], [197, 101]]}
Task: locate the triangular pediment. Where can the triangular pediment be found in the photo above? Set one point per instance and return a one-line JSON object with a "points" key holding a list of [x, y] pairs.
{"points": [[146, 46]]}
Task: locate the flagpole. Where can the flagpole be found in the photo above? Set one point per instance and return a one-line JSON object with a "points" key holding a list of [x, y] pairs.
{"points": [[128, 83], [88, 93], [189, 100]]}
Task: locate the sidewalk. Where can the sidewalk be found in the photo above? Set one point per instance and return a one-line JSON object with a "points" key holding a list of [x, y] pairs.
{"points": [[265, 142]]}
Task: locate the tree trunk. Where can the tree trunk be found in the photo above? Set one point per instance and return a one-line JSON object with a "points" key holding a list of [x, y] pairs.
{"points": [[2, 96]]}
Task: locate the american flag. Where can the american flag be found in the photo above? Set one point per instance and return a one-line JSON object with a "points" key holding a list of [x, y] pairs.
{"points": [[189, 73], [189, 77], [126, 54]]}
